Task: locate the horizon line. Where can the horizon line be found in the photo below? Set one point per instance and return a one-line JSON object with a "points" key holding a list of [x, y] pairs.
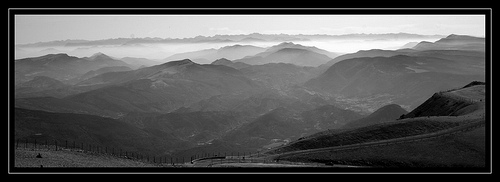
{"points": [[168, 38]]}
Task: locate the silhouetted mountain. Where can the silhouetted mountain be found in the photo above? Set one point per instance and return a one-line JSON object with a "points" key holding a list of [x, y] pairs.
{"points": [[454, 42], [291, 45], [230, 38], [359, 54], [384, 114], [61, 66], [103, 70], [226, 62], [229, 52], [238, 51], [405, 77], [164, 87], [136, 63], [409, 45], [297, 56]]}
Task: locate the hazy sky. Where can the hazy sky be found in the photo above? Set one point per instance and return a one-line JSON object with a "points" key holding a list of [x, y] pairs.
{"points": [[41, 28]]}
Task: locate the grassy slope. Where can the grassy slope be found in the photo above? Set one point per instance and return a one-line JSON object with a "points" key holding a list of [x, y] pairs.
{"points": [[467, 149], [460, 150], [64, 158], [89, 129]]}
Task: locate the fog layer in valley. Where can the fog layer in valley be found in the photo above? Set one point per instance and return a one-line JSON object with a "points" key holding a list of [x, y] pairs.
{"points": [[160, 51]]}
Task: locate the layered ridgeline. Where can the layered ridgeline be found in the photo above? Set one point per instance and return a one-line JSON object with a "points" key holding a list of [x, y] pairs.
{"points": [[272, 99], [454, 42], [61, 66], [288, 52], [208, 55], [162, 88], [406, 76], [284, 124], [449, 126]]}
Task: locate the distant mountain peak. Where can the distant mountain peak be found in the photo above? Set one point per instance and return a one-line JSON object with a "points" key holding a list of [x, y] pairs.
{"points": [[222, 61], [291, 49], [55, 55], [287, 43], [455, 36], [99, 55], [184, 62]]}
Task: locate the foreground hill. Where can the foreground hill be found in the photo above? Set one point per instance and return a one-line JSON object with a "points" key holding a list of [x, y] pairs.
{"points": [[463, 151], [455, 102], [457, 141]]}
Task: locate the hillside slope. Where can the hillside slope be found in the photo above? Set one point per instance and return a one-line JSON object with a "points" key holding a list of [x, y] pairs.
{"points": [[26, 158], [452, 103], [89, 129], [384, 114], [414, 141]]}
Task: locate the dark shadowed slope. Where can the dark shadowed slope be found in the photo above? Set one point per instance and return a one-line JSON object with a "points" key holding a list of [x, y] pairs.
{"points": [[387, 113], [226, 62], [51, 104], [410, 142], [164, 87], [289, 123], [94, 130]]}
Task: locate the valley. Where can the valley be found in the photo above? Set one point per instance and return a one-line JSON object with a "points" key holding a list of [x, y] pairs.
{"points": [[410, 107]]}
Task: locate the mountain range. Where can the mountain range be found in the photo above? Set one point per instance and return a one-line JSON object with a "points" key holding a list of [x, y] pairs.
{"points": [[209, 55], [290, 53], [232, 38], [244, 97], [61, 66]]}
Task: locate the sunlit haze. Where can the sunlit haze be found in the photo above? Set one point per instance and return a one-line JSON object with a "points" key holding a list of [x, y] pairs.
{"points": [[45, 28]]}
